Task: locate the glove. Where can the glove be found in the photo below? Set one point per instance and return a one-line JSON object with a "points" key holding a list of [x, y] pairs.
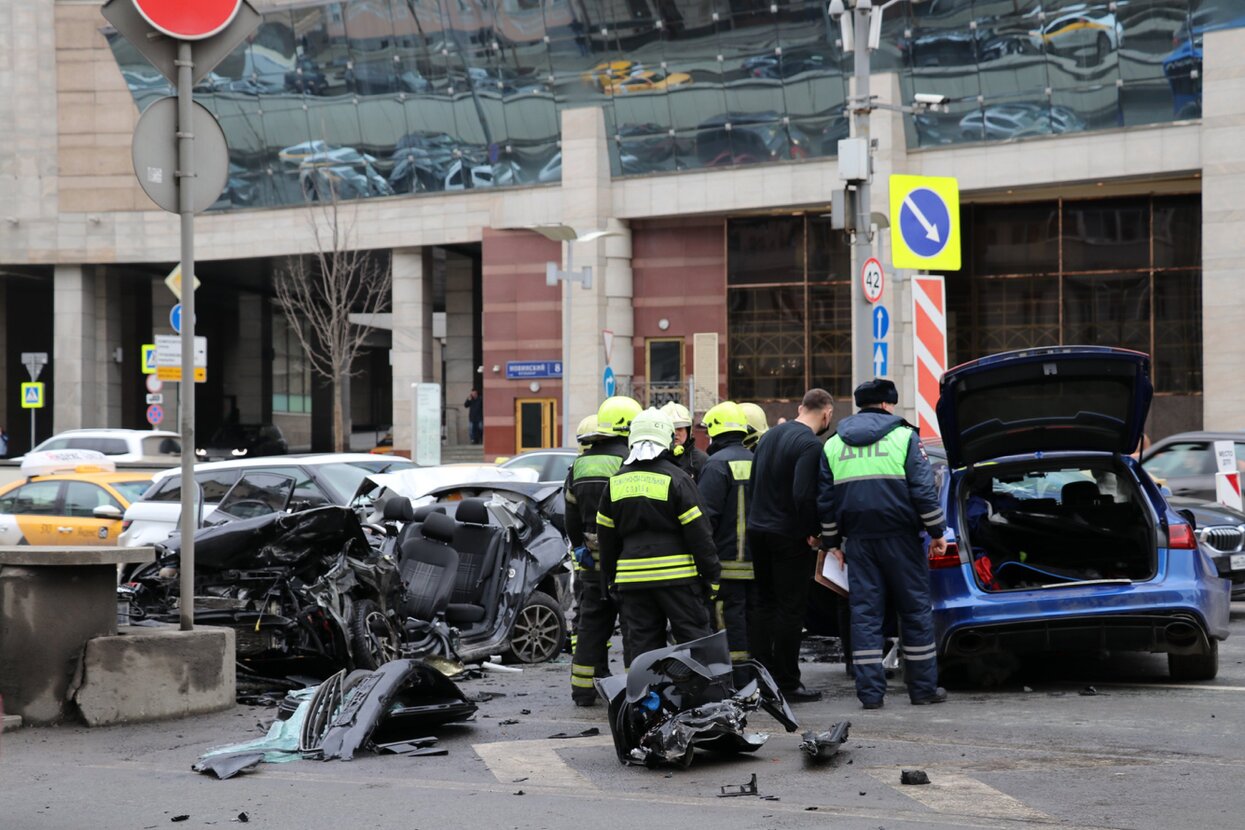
{"points": [[711, 590], [583, 557]]}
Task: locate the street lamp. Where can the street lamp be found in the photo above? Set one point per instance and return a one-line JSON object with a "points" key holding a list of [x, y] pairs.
{"points": [[554, 274], [860, 22]]}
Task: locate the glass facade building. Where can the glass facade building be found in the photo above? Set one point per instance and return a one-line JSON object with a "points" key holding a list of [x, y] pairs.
{"points": [[382, 97]]}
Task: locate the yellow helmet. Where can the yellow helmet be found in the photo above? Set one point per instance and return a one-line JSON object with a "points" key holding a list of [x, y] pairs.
{"points": [[678, 415], [727, 416], [615, 415], [757, 423], [652, 425], [589, 431]]}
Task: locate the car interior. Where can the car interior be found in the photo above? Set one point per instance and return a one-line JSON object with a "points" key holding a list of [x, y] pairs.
{"points": [[1027, 527]]}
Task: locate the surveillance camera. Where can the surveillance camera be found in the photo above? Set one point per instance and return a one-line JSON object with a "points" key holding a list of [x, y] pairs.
{"points": [[837, 8], [930, 98]]}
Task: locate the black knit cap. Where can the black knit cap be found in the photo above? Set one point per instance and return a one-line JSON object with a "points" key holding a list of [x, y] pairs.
{"points": [[876, 391]]}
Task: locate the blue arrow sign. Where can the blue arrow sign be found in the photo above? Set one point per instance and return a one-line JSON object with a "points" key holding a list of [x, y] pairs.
{"points": [[175, 318], [611, 382], [881, 322], [879, 359], [925, 222]]}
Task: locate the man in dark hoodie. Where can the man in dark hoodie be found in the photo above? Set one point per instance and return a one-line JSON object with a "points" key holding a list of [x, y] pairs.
{"points": [[877, 490]]}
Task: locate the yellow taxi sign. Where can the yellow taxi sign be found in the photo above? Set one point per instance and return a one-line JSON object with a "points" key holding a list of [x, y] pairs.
{"points": [[32, 396], [174, 373], [925, 222], [174, 282], [149, 358]]}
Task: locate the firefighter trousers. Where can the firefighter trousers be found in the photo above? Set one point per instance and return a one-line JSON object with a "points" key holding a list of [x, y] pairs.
{"points": [[595, 620], [735, 612], [891, 573], [646, 612]]}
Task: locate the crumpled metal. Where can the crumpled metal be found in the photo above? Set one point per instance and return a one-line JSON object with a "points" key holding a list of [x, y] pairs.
{"points": [[686, 697]]}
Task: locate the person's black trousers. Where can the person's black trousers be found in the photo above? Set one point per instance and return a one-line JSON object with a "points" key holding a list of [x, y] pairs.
{"points": [[646, 611], [594, 625], [736, 614], [784, 573]]}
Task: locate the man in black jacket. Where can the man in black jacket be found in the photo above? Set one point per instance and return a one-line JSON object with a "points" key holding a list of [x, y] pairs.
{"points": [[657, 548], [475, 416], [783, 531]]}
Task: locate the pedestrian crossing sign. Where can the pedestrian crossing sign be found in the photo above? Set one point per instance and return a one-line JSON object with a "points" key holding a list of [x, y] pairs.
{"points": [[149, 359], [32, 396]]}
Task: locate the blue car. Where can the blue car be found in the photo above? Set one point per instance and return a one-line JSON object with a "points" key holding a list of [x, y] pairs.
{"points": [[1059, 541]]}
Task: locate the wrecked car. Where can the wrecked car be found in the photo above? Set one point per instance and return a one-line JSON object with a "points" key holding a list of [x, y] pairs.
{"points": [[678, 699], [1058, 541]]}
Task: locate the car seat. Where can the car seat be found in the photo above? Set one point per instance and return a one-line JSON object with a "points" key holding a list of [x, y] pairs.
{"points": [[429, 566], [478, 545], [1080, 494]]}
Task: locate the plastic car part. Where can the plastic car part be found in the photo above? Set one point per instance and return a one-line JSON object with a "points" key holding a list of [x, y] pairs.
{"points": [[229, 765], [679, 698], [824, 745], [733, 790]]}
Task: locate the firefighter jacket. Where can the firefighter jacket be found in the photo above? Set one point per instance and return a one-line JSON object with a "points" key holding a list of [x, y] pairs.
{"points": [[877, 482], [724, 491], [653, 531], [585, 482], [690, 458]]}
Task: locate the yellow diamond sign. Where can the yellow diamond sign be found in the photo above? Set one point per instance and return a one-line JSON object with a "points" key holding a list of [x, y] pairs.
{"points": [[174, 282]]}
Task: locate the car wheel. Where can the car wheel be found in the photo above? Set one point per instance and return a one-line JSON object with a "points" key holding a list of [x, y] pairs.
{"points": [[373, 639], [539, 632], [1195, 666]]}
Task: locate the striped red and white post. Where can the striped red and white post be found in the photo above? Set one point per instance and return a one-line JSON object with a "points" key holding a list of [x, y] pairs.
{"points": [[929, 318]]}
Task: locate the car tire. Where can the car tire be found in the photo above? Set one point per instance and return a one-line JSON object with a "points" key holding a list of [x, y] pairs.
{"points": [[1183, 667], [373, 639], [539, 632]]}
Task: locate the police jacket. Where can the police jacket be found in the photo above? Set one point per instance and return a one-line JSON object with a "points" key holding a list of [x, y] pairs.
{"points": [[784, 482], [652, 530], [585, 482], [877, 481], [724, 491], [690, 458]]}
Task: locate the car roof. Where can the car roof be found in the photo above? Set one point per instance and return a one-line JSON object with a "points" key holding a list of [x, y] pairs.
{"points": [[1202, 436], [311, 460], [107, 432], [97, 478]]}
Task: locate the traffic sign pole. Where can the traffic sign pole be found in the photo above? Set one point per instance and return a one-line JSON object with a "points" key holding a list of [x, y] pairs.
{"points": [[862, 309], [186, 399]]}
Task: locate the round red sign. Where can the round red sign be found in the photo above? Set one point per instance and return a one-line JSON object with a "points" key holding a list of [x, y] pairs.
{"points": [[189, 21]]}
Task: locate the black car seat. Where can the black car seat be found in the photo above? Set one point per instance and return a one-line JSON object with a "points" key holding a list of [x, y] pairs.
{"points": [[1080, 494], [398, 509], [429, 566], [479, 546]]}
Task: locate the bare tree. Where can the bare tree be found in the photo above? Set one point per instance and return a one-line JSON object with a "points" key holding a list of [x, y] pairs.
{"points": [[318, 293]]}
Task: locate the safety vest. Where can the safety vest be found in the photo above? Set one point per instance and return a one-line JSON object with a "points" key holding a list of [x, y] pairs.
{"points": [[740, 567], [595, 466], [886, 458]]}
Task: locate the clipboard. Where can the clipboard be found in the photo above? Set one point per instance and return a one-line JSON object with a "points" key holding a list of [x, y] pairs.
{"points": [[830, 574]]}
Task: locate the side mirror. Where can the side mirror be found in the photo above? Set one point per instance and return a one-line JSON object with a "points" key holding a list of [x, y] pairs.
{"points": [[1188, 517], [107, 511]]}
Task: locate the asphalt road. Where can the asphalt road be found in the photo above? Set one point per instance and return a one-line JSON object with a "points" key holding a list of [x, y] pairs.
{"points": [[1035, 753]]}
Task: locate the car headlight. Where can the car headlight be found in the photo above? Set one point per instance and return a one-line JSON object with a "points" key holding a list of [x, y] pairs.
{"points": [[238, 453], [201, 452]]}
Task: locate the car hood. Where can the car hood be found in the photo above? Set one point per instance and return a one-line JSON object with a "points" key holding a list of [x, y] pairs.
{"points": [[418, 482], [1065, 399], [1208, 514]]}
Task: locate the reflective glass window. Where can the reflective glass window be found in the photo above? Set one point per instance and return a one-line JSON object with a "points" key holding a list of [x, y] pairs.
{"points": [[1082, 42], [1178, 331], [1106, 235], [1107, 310], [1178, 232], [1149, 34], [766, 333], [1017, 239], [765, 250]]}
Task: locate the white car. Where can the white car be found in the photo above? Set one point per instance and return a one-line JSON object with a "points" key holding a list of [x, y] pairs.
{"points": [[120, 445], [1078, 28], [250, 487]]}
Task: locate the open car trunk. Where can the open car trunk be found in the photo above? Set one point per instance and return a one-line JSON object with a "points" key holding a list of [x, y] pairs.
{"points": [[1056, 522]]}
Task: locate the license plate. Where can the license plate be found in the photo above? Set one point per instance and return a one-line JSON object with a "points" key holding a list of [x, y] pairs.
{"points": [[1237, 562]]}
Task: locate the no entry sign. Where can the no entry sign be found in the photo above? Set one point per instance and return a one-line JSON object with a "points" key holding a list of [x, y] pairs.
{"points": [[188, 20]]}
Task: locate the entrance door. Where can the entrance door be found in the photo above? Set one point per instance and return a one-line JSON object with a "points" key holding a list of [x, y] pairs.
{"points": [[535, 424], [665, 370]]}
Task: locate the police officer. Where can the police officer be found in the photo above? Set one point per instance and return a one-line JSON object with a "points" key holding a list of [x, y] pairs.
{"points": [[585, 481], [656, 544], [758, 424], [877, 490], [686, 454], [724, 490]]}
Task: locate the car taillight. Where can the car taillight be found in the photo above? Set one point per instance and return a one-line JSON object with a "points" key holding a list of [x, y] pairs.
{"points": [[950, 559], [1180, 537]]}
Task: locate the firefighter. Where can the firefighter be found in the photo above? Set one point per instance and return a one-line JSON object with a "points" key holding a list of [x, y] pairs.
{"points": [[657, 549], [724, 490], [689, 458], [588, 433], [877, 490], [757, 424], [585, 481]]}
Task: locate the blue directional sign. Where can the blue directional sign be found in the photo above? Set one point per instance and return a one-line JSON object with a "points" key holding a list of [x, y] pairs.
{"points": [[925, 215], [881, 322], [880, 362], [611, 382], [533, 369], [175, 318], [925, 222]]}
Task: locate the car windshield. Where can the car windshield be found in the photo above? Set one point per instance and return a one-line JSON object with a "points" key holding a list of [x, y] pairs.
{"points": [[131, 491], [1191, 458], [1050, 484], [345, 478]]}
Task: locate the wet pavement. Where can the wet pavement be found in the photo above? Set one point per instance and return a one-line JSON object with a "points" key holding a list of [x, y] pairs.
{"points": [[1038, 751]]}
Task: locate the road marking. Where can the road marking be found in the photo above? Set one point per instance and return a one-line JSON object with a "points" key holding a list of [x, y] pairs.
{"points": [[1188, 686], [537, 761], [961, 795]]}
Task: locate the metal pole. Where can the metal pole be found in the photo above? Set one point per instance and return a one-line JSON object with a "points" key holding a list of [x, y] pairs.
{"points": [[32, 428], [186, 396], [568, 432], [862, 324]]}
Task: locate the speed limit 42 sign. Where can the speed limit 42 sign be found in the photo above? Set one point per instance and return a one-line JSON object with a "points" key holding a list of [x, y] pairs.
{"points": [[872, 279]]}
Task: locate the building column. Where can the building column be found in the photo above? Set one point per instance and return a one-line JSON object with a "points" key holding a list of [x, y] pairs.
{"points": [[107, 368], [246, 380], [74, 349], [412, 335], [1223, 245], [460, 336]]}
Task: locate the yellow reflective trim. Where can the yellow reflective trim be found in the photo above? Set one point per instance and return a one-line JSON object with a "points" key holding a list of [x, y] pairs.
{"points": [[741, 470], [586, 671], [737, 570], [604, 521], [690, 516], [656, 576], [640, 485], [655, 562], [739, 656], [581, 682]]}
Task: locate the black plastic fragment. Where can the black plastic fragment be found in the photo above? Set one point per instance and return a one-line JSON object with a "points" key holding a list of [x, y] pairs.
{"points": [[915, 777], [824, 745], [179, 818], [242, 818], [1088, 691], [587, 733], [507, 722], [733, 790]]}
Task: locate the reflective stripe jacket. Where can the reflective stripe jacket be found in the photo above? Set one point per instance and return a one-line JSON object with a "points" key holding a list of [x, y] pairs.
{"points": [[877, 482], [652, 529], [724, 490], [585, 482]]}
